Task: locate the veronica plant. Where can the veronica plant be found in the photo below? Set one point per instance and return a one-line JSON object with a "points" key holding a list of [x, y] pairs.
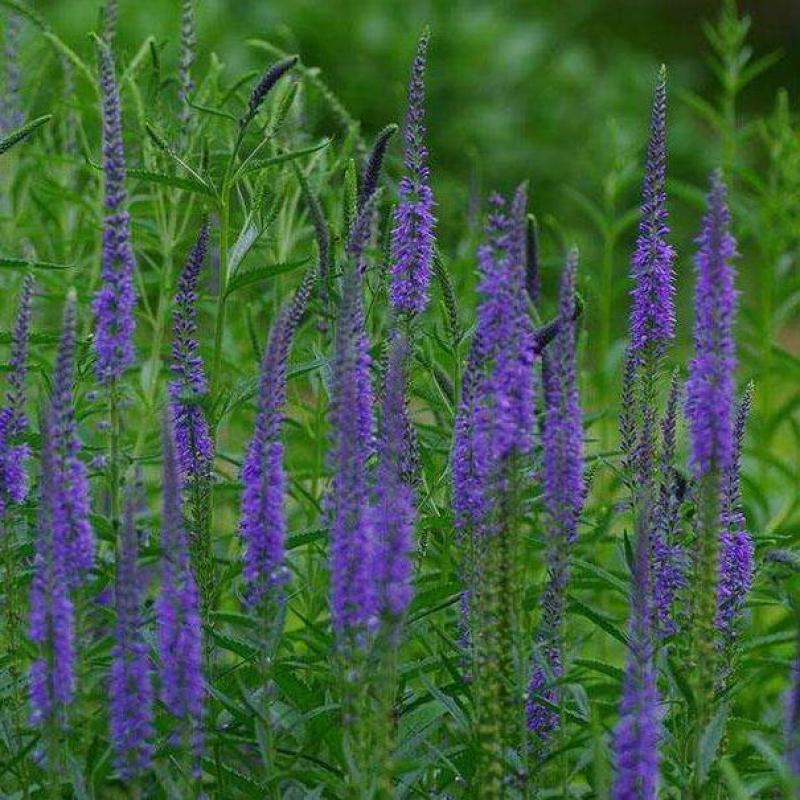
{"points": [[710, 414]]}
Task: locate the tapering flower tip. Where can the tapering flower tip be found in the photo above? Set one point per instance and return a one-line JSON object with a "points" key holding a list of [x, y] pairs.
{"points": [[130, 689], [731, 488], [710, 388], [178, 608], [115, 300], [110, 19], [18, 363], [52, 676], [562, 437], [360, 234], [192, 434], [71, 483], [372, 169], [187, 57], [263, 519], [354, 603], [533, 270], [393, 508], [266, 84], [413, 234], [653, 311]]}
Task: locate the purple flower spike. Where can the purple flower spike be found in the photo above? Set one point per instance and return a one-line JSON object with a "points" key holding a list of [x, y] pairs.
{"points": [[562, 441], [115, 301], [653, 312], [413, 235], [52, 676], [393, 508], [636, 738], [178, 609], [13, 419], [130, 690], [736, 565], [263, 520], [18, 364], [354, 602], [710, 390], [192, 435], [562, 437], [71, 489], [669, 559], [496, 414]]}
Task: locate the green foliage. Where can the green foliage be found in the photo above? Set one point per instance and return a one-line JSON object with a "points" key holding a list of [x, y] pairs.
{"points": [[281, 195]]}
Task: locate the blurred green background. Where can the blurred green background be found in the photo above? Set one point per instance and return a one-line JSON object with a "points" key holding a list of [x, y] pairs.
{"points": [[556, 92], [553, 91]]}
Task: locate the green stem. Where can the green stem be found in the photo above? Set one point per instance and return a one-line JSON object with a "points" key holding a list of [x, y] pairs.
{"points": [[703, 654], [219, 327]]}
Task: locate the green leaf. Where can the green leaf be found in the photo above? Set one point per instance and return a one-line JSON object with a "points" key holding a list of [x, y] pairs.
{"points": [[23, 133], [599, 619], [24, 264], [282, 158], [602, 667], [252, 276], [710, 740], [213, 111], [187, 184], [733, 781]]}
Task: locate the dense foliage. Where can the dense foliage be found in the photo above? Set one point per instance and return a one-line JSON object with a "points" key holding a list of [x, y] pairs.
{"points": [[303, 495]]}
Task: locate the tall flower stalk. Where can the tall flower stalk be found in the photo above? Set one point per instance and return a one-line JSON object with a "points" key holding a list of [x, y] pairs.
{"points": [[636, 738], [736, 565], [130, 688], [494, 431], [263, 518], [52, 616], [13, 416], [413, 241], [14, 456], [563, 489], [178, 612], [709, 411], [257, 97], [71, 488], [353, 596], [115, 300], [187, 390]]}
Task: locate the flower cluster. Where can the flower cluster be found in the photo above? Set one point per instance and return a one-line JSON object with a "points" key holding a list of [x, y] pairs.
{"points": [[115, 300], [178, 608], [263, 522], [414, 220], [192, 435]]}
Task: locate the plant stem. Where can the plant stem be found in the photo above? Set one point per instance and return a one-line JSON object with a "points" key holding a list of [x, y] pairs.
{"points": [[703, 653]]}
